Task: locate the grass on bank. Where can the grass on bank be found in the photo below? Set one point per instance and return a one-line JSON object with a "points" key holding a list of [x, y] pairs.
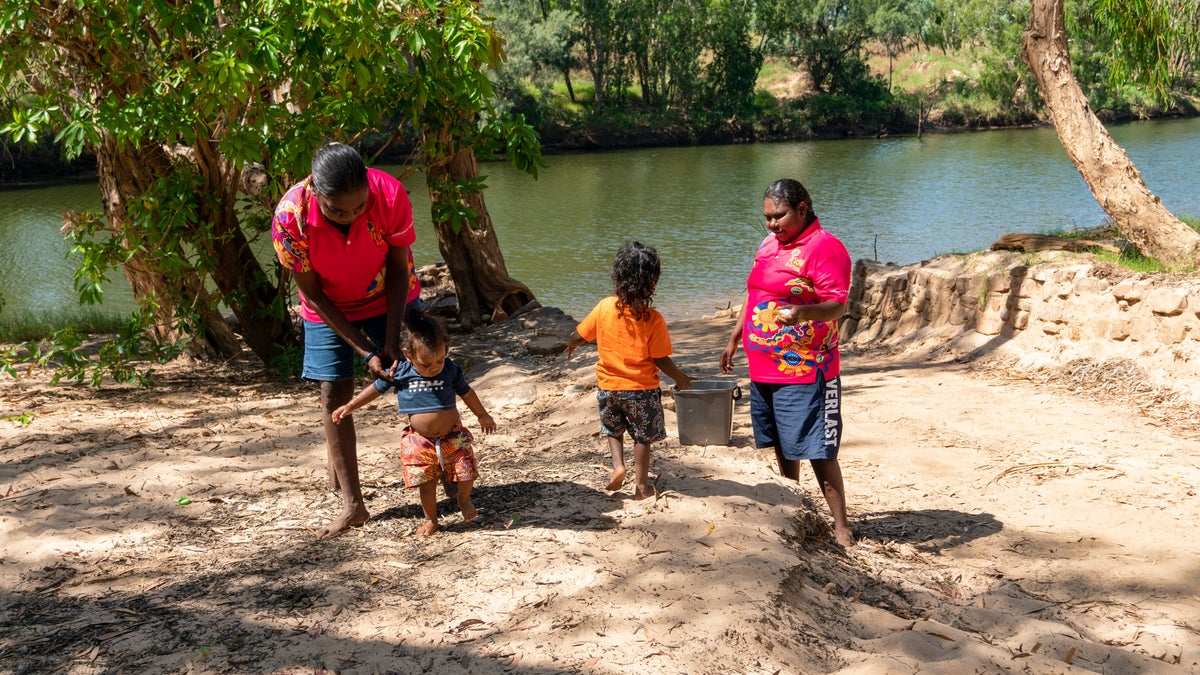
{"points": [[1128, 258], [27, 326]]}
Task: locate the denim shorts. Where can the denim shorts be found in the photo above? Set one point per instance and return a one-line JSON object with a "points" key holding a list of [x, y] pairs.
{"points": [[329, 358], [803, 420], [639, 412]]}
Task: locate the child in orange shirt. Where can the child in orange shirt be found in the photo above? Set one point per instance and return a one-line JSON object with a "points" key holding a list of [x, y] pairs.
{"points": [[633, 345]]}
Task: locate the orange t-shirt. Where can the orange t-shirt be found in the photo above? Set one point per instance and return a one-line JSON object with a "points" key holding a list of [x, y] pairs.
{"points": [[627, 347]]}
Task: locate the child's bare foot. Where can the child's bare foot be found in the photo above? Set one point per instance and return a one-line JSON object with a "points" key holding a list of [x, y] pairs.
{"points": [[350, 517], [643, 492], [468, 509], [618, 479], [428, 528]]}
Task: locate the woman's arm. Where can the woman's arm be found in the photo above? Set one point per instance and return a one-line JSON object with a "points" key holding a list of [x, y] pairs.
{"points": [[310, 285], [735, 339], [397, 282], [830, 310]]}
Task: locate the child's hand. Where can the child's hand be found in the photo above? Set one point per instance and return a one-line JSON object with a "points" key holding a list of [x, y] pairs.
{"points": [[487, 423], [684, 382], [340, 414]]}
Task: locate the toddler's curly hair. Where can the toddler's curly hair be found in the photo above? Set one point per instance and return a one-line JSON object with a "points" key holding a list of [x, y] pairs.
{"points": [[634, 277], [424, 330]]}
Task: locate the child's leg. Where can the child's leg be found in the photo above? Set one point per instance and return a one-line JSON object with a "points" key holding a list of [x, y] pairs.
{"points": [[449, 486], [428, 491], [641, 470], [464, 500], [616, 446]]}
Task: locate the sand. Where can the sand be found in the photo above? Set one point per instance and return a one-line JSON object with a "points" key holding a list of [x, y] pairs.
{"points": [[1004, 525]]}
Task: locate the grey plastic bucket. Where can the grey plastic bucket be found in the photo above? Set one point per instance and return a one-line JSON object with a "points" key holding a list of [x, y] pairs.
{"points": [[704, 412]]}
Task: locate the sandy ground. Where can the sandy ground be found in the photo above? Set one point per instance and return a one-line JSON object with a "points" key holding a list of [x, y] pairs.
{"points": [[1004, 525]]}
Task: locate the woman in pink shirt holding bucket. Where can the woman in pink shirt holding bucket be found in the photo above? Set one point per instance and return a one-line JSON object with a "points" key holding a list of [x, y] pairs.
{"points": [[796, 292]]}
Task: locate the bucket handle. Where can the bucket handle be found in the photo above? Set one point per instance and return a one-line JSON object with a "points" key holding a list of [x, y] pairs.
{"points": [[737, 391]]}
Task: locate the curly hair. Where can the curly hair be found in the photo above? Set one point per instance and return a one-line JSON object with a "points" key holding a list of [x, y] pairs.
{"points": [[424, 330], [634, 277]]}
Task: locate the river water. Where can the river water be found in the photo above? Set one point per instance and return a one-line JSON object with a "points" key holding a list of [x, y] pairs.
{"points": [[901, 200]]}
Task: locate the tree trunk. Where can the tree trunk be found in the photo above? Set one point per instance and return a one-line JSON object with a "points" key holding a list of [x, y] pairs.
{"points": [[1107, 170], [124, 174], [256, 302], [473, 254]]}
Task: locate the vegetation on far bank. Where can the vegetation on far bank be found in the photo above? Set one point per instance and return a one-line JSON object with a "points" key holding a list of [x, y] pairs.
{"points": [[599, 75]]}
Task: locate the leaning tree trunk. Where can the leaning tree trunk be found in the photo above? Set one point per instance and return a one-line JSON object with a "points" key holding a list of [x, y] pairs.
{"points": [[472, 253], [125, 173], [1107, 170]]}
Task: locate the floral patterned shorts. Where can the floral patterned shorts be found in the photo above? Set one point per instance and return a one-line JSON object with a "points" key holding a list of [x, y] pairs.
{"points": [[639, 412], [426, 459]]}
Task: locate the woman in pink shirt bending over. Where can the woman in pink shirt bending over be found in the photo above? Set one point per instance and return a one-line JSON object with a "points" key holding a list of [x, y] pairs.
{"points": [[345, 233]]}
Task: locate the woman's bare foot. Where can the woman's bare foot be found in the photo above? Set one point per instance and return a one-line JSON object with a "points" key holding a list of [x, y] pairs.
{"points": [[428, 528], [468, 509], [843, 536], [618, 479], [350, 517]]}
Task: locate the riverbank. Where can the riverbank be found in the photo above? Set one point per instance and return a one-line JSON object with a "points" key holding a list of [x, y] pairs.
{"points": [[1006, 522]]}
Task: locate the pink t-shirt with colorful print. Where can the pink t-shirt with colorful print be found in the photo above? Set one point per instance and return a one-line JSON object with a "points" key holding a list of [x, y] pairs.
{"points": [[813, 268], [351, 267]]}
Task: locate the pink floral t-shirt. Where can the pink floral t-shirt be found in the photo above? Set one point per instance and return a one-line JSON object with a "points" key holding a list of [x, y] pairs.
{"points": [[351, 266], [813, 268]]}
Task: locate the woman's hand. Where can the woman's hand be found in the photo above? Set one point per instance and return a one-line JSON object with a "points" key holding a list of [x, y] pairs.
{"points": [[789, 315], [377, 366], [727, 356]]}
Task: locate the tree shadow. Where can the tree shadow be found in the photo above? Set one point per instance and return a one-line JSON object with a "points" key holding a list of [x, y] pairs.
{"points": [[555, 504], [929, 529]]}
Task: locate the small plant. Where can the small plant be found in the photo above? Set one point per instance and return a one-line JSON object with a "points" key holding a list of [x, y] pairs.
{"points": [[21, 419], [1131, 261]]}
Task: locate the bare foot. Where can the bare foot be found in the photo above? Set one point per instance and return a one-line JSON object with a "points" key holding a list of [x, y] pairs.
{"points": [[468, 509], [844, 537], [642, 492], [618, 479], [350, 517], [428, 528]]}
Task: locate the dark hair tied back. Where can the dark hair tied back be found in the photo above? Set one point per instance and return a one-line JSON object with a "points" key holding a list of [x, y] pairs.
{"points": [[337, 169], [634, 277], [791, 192], [424, 330]]}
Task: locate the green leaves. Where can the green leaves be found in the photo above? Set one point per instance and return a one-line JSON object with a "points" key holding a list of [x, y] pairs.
{"points": [[176, 98]]}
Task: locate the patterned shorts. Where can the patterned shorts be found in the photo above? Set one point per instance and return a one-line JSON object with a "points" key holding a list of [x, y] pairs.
{"points": [[426, 459], [639, 412]]}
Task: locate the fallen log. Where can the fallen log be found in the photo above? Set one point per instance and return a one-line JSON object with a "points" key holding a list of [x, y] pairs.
{"points": [[1030, 242]]}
